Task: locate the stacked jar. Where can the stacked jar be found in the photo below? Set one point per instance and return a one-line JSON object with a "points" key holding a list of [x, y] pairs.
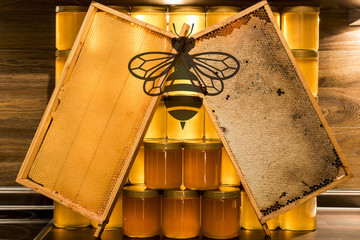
{"points": [[300, 27]]}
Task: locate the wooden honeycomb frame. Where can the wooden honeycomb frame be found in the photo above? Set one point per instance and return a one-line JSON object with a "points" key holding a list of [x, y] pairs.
{"points": [[251, 28]]}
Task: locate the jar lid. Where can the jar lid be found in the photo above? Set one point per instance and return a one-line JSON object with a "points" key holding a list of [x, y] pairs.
{"points": [[153, 9], [203, 145], [187, 9], [224, 9], [62, 53], [308, 9], [223, 193], [162, 144], [178, 193], [139, 191], [275, 9], [71, 9], [305, 53], [118, 8]]}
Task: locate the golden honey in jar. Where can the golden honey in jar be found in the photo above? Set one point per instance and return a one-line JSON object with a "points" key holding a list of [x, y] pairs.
{"points": [[141, 212], [300, 218], [68, 23], [220, 210], [229, 175], [157, 127], [308, 62], [276, 14], [61, 56], [202, 164], [154, 15], [248, 217], [179, 15], [64, 217], [210, 131], [116, 218], [300, 27], [216, 14], [180, 213], [163, 164], [136, 175]]}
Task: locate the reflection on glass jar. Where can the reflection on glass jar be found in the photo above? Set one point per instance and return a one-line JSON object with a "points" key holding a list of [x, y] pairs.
{"points": [[220, 213], [64, 217], [249, 220], [116, 217], [217, 14], [308, 62], [179, 15], [229, 175], [163, 164], [300, 218], [141, 212], [136, 175], [300, 27], [154, 15], [180, 214], [202, 164], [68, 23], [61, 56], [276, 14]]}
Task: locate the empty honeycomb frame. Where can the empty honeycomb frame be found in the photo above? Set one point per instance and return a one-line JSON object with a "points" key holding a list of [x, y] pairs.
{"points": [[266, 117]]}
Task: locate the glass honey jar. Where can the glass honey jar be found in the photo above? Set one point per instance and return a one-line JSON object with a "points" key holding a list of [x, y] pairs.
{"points": [[210, 131], [229, 176], [202, 164], [141, 212], [68, 23], [154, 15], [64, 217], [308, 62], [248, 218], [220, 210], [217, 14], [157, 127], [163, 164], [116, 217], [300, 218], [136, 175], [61, 56], [179, 15], [276, 14], [300, 27], [180, 214]]}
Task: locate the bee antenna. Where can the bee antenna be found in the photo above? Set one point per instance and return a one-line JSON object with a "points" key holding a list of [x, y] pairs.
{"points": [[175, 29], [192, 27]]}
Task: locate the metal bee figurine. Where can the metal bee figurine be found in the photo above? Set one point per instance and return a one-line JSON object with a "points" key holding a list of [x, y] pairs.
{"points": [[202, 72]]}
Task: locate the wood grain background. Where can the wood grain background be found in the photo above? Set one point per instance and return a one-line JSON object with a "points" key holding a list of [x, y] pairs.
{"points": [[27, 72]]}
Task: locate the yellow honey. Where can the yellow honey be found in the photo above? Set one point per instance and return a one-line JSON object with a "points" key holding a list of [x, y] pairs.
{"points": [[217, 14], [68, 23], [202, 164], [115, 220], [300, 27], [154, 15], [220, 213], [248, 218], [308, 62], [141, 212], [300, 218], [66, 218], [180, 214], [229, 175], [61, 56], [179, 15], [163, 164], [136, 175], [276, 14], [210, 131], [157, 128]]}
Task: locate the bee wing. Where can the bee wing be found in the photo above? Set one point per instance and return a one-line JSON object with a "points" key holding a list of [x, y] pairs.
{"points": [[151, 65], [216, 65], [211, 68]]}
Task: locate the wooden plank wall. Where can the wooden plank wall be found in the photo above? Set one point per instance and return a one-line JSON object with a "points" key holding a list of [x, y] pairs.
{"points": [[27, 49]]}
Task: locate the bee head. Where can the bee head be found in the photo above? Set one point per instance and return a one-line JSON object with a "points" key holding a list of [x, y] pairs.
{"points": [[183, 44]]}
